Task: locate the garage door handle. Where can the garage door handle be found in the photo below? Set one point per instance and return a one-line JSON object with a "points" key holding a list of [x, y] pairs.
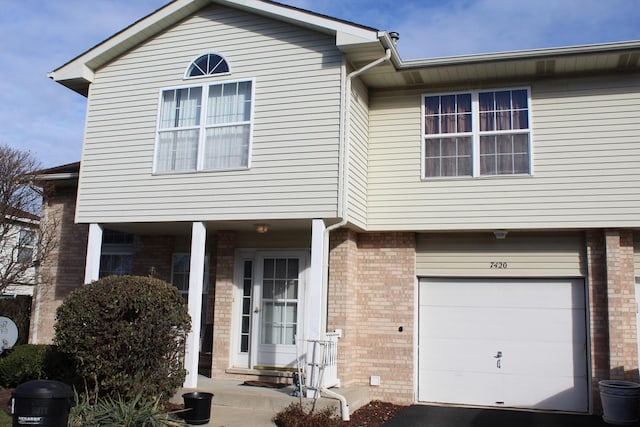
{"points": [[499, 357]]}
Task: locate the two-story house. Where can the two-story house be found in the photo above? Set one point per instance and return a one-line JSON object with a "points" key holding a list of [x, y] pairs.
{"points": [[467, 223]]}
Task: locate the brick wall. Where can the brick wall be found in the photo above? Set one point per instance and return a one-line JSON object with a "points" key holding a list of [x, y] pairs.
{"points": [[374, 274], [153, 255], [223, 303], [63, 271], [342, 304], [612, 307], [622, 305]]}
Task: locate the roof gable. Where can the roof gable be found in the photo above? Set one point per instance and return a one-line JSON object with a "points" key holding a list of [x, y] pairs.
{"points": [[78, 73]]}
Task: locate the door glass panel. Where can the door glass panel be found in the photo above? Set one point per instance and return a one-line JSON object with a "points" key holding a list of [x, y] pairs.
{"points": [[247, 285], [279, 301]]}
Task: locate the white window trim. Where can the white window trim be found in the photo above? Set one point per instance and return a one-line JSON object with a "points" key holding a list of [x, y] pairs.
{"points": [[475, 134], [202, 128]]}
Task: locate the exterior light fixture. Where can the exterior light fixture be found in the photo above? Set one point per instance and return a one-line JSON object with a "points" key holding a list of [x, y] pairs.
{"points": [[261, 228]]}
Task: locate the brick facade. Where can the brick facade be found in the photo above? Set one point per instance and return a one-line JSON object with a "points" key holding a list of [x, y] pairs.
{"points": [[374, 276], [223, 303], [371, 297], [63, 271], [612, 306]]}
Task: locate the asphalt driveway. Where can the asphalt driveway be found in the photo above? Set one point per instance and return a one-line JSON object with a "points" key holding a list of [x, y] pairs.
{"points": [[437, 416]]}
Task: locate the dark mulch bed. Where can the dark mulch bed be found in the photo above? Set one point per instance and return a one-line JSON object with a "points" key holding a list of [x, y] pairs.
{"points": [[375, 414]]}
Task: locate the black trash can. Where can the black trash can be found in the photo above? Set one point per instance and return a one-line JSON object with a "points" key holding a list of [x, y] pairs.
{"points": [[197, 407], [41, 403]]}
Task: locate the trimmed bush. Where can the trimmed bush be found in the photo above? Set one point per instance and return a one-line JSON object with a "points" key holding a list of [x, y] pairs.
{"points": [[34, 362], [126, 335]]}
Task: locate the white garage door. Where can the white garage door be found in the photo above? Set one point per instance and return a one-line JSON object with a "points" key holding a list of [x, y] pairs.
{"points": [[503, 342]]}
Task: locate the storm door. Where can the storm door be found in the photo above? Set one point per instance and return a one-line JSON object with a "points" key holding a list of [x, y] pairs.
{"points": [[278, 309]]}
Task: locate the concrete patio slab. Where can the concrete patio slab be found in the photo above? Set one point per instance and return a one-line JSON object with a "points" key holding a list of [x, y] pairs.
{"points": [[238, 405]]}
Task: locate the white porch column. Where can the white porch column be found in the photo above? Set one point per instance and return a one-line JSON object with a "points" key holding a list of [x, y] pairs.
{"points": [[94, 250], [315, 293], [196, 278]]}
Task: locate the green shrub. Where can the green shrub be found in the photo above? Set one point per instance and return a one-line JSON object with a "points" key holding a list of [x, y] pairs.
{"points": [[126, 335], [295, 415], [34, 362], [108, 411]]}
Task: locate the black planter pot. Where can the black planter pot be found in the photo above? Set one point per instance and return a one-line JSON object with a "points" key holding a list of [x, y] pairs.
{"points": [[620, 401], [197, 407]]}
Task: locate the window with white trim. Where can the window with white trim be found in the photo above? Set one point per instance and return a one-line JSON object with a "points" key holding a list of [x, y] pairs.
{"points": [[208, 64], [205, 128], [480, 133]]}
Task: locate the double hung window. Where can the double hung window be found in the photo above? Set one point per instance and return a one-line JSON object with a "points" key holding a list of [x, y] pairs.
{"points": [[482, 133], [205, 127]]}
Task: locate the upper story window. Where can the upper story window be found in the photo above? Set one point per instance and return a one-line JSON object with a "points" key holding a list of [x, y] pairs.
{"points": [[204, 128], [207, 65], [482, 133]]}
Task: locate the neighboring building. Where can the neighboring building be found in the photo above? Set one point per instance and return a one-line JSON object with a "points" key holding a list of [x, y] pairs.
{"points": [[468, 223], [19, 240]]}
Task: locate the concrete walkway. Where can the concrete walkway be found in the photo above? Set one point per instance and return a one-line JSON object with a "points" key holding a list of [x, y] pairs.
{"points": [[438, 416], [238, 405]]}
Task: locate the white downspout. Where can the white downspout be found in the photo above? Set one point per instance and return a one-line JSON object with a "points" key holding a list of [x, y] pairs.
{"points": [[346, 139], [346, 148]]}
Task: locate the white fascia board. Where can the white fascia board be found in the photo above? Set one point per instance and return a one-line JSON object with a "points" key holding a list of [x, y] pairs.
{"points": [[72, 71], [83, 66], [524, 54], [78, 67], [305, 18]]}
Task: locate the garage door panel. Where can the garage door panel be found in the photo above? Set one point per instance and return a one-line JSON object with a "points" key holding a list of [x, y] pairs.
{"points": [[483, 326], [564, 392], [499, 323], [524, 324], [540, 360], [465, 388], [454, 355], [525, 293], [538, 325]]}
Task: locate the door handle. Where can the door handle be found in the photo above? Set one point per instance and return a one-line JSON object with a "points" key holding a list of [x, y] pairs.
{"points": [[256, 310], [498, 362]]}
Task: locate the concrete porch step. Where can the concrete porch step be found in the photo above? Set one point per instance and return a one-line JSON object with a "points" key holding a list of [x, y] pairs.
{"points": [[231, 396]]}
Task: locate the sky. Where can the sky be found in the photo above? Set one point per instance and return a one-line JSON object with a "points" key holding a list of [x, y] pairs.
{"points": [[38, 36]]}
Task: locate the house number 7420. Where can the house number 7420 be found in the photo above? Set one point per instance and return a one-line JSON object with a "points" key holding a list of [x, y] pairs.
{"points": [[498, 265]]}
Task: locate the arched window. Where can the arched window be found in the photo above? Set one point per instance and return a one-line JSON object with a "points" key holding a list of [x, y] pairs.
{"points": [[207, 65]]}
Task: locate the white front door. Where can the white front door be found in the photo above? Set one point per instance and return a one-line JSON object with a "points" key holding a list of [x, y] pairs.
{"points": [[278, 308], [504, 343]]}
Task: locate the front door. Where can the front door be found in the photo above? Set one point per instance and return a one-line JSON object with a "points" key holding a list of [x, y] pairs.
{"points": [[277, 309]]}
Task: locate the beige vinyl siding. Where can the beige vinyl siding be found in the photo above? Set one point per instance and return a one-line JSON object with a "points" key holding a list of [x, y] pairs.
{"points": [[359, 137], [295, 146], [518, 255], [586, 133]]}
